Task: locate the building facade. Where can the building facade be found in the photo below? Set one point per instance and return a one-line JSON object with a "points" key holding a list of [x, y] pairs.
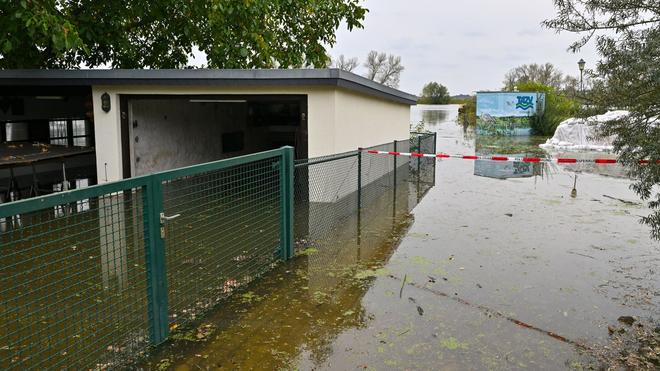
{"points": [[107, 125]]}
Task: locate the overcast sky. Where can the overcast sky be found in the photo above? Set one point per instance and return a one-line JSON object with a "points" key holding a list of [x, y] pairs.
{"points": [[466, 45]]}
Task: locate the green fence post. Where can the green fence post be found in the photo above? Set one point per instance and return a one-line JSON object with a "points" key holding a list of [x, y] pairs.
{"points": [[155, 261], [394, 160], [435, 149], [286, 206], [419, 150], [419, 166], [359, 179], [394, 187], [359, 200]]}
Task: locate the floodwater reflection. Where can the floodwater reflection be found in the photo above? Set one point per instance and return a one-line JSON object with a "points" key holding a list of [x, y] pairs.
{"points": [[432, 114], [528, 146], [489, 274], [507, 169]]}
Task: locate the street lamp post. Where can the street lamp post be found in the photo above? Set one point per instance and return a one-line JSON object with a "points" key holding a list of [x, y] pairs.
{"points": [[581, 64]]}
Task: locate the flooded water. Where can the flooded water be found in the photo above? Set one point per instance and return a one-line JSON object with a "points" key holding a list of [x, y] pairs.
{"points": [[496, 268]]}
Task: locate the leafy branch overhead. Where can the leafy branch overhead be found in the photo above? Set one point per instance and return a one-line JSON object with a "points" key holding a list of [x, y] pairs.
{"points": [[163, 34], [627, 36]]}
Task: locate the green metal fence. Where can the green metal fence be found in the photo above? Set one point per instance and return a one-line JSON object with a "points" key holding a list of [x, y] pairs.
{"points": [[89, 278], [332, 191]]}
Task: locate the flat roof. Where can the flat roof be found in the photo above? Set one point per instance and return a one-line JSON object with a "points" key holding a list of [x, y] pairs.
{"points": [[205, 77]]}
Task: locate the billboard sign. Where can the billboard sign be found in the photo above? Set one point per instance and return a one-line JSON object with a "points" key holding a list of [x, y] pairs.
{"points": [[507, 113]]}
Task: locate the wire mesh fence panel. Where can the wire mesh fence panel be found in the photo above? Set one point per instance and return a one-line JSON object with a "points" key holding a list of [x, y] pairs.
{"points": [[427, 167], [330, 191], [424, 167], [226, 235], [377, 174], [90, 277], [73, 292], [325, 195]]}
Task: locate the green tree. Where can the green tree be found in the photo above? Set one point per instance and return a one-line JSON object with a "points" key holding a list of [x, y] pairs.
{"points": [[558, 107], [434, 93], [627, 37], [163, 34], [467, 112], [545, 74]]}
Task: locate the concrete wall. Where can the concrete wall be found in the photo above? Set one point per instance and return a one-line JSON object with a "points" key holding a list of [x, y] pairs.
{"points": [[175, 133], [364, 121], [107, 132], [338, 120]]}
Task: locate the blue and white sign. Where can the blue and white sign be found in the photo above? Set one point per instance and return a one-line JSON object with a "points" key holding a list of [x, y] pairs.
{"points": [[509, 104]]}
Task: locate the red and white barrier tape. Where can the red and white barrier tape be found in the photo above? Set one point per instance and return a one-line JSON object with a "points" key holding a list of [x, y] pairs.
{"points": [[505, 158]]}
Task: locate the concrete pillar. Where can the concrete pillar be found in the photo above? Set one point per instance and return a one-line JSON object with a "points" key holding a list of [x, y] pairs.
{"points": [[107, 136]]}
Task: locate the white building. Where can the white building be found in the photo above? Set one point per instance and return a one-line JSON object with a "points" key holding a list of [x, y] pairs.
{"points": [[124, 123]]}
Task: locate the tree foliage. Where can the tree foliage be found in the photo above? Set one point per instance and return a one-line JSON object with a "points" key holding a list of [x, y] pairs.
{"points": [[627, 36], [467, 112], [162, 34], [545, 74], [434, 93], [384, 68], [558, 107]]}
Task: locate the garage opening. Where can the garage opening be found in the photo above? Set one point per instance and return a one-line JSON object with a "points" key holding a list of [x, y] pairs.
{"points": [[46, 140], [167, 132]]}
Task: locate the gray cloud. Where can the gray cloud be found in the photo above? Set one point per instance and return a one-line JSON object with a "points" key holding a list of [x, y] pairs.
{"points": [[467, 45], [474, 34]]}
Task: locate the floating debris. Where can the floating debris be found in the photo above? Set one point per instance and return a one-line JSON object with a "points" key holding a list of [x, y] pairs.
{"points": [[623, 201], [229, 286], [633, 346], [628, 320]]}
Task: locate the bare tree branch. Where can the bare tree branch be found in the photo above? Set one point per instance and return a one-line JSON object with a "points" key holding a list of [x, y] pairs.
{"points": [[374, 64], [345, 64], [383, 68]]}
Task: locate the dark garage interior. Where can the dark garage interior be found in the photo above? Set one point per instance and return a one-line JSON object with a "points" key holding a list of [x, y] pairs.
{"points": [[168, 132], [46, 140]]}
